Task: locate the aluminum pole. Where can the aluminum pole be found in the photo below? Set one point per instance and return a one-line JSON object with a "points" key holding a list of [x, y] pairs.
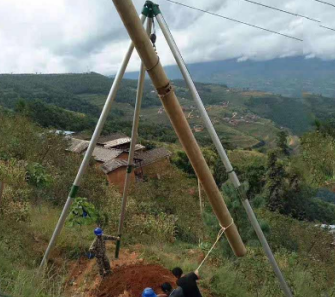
{"points": [[134, 135], [89, 151], [221, 151], [2, 187], [170, 102]]}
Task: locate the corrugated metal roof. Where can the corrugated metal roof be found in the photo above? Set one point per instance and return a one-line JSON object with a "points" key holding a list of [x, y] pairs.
{"points": [[104, 155], [77, 145], [113, 165], [116, 142]]}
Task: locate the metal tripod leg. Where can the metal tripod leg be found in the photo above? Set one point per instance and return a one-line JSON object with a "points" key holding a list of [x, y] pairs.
{"points": [[134, 134], [221, 151], [89, 151]]}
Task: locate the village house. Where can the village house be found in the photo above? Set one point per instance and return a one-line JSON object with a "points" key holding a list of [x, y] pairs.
{"points": [[111, 155]]}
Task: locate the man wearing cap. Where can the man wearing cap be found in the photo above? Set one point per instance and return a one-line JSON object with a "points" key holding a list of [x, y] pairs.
{"points": [[98, 247]]}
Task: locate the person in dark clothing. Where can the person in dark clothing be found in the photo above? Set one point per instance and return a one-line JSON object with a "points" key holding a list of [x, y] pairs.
{"points": [[170, 292], [98, 247], [187, 282]]}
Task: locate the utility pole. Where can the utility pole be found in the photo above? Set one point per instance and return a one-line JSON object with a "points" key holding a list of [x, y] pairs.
{"points": [[170, 102]]}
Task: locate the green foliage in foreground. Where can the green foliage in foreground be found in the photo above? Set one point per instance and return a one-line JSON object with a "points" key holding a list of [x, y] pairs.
{"points": [[163, 215]]}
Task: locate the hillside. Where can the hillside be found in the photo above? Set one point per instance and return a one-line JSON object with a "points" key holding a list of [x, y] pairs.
{"points": [[242, 118], [164, 226], [285, 76]]}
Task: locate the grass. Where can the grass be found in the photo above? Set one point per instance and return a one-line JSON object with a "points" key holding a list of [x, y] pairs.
{"points": [[22, 248]]}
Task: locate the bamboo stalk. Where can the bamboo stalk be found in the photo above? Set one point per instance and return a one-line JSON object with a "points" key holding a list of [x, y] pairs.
{"points": [[156, 72]]}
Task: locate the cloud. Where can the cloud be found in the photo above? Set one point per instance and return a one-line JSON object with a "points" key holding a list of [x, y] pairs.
{"points": [[88, 35]]}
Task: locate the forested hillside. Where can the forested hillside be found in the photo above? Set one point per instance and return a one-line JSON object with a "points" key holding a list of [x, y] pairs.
{"points": [[164, 224], [242, 118], [289, 180], [289, 76]]}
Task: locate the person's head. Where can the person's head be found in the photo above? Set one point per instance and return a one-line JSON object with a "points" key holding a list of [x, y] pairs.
{"points": [[98, 231], [148, 292], [177, 272], [167, 288]]}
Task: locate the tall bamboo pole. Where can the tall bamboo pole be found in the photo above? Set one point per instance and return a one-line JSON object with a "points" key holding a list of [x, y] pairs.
{"points": [[151, 61], [222, 153]]}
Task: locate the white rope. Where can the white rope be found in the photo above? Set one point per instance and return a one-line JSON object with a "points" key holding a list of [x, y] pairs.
{"points": [[221, 232]]}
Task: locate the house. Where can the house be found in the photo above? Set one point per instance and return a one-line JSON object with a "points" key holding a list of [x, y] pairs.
{"points": [[147, 163], [111, 155]]}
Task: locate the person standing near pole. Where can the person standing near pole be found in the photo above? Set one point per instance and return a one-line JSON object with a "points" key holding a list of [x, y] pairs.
{"points": [[187, 282], [98, 247]]}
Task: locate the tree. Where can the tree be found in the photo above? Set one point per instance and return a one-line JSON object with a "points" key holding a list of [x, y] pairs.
{"points": [[282, 142], [275, 182]]}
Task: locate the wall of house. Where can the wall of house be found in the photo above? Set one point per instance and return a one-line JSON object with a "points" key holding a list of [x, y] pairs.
{"points": [[118, 176], [123, 156], [156, 169]]}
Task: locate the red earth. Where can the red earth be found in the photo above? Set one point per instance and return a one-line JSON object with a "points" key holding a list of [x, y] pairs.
{"points": [[132, 280]]}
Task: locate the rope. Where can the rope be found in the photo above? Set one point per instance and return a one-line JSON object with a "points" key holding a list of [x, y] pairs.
{"points": [[221, 232]]}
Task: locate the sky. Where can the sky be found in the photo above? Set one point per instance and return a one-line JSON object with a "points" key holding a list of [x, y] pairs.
{"points": [[88, 35]]}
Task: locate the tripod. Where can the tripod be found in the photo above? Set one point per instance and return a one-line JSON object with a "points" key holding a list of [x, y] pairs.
{"points": [[151, 64]]}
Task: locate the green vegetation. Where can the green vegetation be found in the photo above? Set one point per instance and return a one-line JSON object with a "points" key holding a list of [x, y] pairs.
{"points": [[290, 187], [243, 119]]}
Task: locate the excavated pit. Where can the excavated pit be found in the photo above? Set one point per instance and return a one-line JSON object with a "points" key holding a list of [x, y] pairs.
{"points": [[132, 280]]}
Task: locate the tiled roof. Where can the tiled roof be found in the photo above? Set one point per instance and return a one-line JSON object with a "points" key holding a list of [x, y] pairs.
{"points": [[111, 137], [100, 153], [113, 165], [104, 155], [77, 145], [116, 142], [152, 156], [137, 148]]}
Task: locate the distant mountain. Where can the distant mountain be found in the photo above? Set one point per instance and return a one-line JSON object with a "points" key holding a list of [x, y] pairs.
{"points": [[286, 76], [242, 118]]}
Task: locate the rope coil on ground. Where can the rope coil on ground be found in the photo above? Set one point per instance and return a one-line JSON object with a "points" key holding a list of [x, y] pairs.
{"points": [[221, 232]]}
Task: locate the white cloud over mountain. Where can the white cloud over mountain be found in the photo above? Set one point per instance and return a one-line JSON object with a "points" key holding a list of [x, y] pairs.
{"points": [[87, 35]]}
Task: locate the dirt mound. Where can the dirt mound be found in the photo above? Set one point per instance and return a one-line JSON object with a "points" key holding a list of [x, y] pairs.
{"points": [[133, 279]]}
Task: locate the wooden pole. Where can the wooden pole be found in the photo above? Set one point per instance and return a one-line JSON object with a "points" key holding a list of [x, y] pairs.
{"points": [[170, 102]]}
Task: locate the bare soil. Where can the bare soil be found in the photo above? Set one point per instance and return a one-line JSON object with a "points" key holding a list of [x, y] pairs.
{"points": [[132, 280], [130, 276]]}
